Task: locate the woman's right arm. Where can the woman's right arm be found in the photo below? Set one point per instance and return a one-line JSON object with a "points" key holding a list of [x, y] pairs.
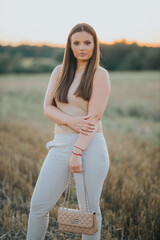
{"points": [[79, 123]]}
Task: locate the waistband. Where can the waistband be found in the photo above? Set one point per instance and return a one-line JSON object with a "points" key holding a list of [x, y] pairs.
{"points": [[69, 138]]}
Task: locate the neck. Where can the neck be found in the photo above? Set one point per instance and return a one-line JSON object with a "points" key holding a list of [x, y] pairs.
{"points": [[81, 65]]}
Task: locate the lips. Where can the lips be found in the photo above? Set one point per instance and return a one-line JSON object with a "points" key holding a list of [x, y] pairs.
{"points": [[82, 54]]}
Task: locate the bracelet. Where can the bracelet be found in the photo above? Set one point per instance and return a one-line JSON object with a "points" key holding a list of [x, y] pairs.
{"points": [[76, 154], [79, 148]]}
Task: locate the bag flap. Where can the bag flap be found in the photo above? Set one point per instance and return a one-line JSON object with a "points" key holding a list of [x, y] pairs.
{"points": [[75, 217]]}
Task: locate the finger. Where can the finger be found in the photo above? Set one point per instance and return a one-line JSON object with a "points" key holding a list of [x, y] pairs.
{"points": [[89, 130], [85, 133], [77, 171], [77, 168], [89, 127], [89, 123], [88, 116], [92, 123]]}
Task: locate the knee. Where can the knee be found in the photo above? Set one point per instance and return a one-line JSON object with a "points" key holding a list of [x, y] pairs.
{"points": [[39, 209]]}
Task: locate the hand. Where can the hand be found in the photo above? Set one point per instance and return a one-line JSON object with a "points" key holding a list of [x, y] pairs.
{"points": [[75, 163], [81, 124]]}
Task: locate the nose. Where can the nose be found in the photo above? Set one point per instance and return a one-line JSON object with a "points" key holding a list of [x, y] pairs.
{"points": [[82, 46]]}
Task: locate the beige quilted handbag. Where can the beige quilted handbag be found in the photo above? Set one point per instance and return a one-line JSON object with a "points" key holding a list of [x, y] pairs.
{"points": [[75, 220]]}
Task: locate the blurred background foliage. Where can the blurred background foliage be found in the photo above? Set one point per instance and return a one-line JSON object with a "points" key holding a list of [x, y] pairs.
{"points": [[119, 56]]}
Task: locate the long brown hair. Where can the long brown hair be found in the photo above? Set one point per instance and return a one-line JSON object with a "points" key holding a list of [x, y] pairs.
{"points": [[69, 66]]}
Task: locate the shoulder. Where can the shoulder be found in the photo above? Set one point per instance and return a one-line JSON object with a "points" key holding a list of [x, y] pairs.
{"points": [[100, 71], [58, 68], [101, 77], [56, 72]]}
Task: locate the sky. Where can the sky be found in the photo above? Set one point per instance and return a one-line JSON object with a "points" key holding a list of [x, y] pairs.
{"points": [[50, 21]]}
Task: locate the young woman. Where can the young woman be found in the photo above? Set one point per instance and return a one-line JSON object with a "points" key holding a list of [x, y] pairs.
{"points": [[76, 97]]}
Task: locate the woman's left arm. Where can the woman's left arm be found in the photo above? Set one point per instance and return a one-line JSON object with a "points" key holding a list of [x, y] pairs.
{"points": [[97, 104]]}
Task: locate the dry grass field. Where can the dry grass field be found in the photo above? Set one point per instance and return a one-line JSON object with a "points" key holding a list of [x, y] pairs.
{"points": [[130, 201]]}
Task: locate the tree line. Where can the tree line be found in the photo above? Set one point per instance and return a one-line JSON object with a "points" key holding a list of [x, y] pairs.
{"points": [[119, 56]]}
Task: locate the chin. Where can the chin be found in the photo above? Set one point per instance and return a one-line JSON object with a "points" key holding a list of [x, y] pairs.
{"points": [[83, 58]]}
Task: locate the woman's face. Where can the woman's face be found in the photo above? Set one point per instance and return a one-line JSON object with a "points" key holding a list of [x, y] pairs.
{"points": [[82, 45]]}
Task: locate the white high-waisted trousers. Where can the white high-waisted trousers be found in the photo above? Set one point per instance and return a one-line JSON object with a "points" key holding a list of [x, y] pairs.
{"points": [[54, 176]]}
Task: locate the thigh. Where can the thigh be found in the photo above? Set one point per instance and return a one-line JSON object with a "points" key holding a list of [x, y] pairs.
{"points": [[95, 166], [52, 179]]}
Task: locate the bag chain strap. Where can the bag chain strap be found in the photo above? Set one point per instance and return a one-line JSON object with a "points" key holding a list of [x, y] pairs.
{"points": [[68, 190]]}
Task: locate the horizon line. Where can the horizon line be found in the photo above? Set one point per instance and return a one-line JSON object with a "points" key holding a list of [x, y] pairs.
{"points": [[62, 45]]}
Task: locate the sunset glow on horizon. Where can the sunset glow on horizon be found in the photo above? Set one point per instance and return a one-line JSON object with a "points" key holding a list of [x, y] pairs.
{"points": [[40, 44]]}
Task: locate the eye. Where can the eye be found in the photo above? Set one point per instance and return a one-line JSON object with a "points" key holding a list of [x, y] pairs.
{"points": [[76, 43], [88, 42]]}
